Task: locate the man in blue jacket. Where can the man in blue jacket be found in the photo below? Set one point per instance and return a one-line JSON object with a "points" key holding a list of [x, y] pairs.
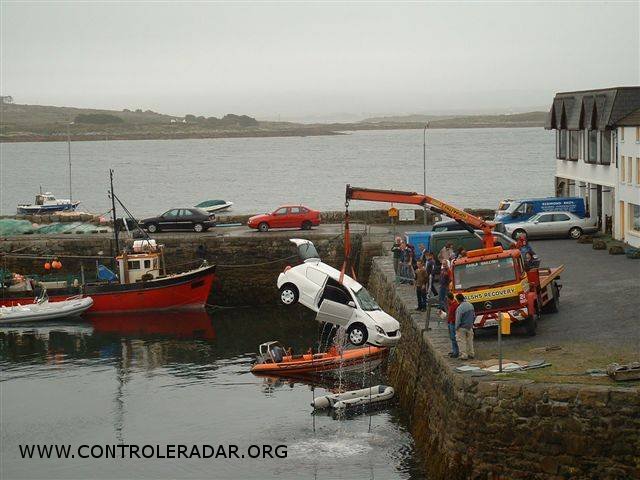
{"points": [[465, 317]]}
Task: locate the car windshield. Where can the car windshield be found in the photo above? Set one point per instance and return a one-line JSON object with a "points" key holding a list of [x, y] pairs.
{"points": [[307, 250], [484, 274], [366, 301]]}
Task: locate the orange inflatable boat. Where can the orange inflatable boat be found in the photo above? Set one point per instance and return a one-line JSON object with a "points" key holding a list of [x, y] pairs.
{"points": [[273, 359]]}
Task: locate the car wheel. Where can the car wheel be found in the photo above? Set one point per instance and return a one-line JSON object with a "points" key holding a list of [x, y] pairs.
{"points": [[357, 334], [152, 228], [517, 233], [288, 294], [263, 227], [306, 225], [198, 228], [575, 233]]}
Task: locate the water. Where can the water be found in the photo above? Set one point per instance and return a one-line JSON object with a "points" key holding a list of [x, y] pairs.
{"points": [[182, 379], [467, 167]]}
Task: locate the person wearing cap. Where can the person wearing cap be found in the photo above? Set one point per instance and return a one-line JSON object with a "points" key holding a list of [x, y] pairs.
{"points": [[465, 317]]}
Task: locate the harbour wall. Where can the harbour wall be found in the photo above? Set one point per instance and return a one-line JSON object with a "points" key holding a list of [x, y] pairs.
{"points": [[246, 267], [491, 428]]}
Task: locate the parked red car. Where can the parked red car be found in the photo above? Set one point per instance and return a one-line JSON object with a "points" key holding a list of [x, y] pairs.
{"points": [[286, 216]]}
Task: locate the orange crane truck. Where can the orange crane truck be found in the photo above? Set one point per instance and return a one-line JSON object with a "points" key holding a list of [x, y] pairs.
{"points": [[494, 280]]}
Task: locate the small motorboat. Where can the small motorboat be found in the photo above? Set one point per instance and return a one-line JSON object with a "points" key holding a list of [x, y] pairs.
{"points": [[274, 359], [212, 206], [48, 203], [355, 398], [43, 309]]}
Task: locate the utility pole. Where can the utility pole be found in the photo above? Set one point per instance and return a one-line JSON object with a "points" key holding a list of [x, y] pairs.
{"points": [[69, 152], [424, 167]]}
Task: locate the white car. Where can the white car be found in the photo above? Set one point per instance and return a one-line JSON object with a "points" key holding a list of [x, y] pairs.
{"points": [[552, 224], [316, 286]]}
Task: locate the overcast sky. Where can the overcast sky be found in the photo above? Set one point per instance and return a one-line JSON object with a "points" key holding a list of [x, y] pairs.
{"points": [[322, 60]]}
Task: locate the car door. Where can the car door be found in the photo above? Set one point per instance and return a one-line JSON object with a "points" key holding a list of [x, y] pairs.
{"points": [[169, 220], [185, 219], [280, 218], [295, 217], [542, 226], [561, 224], [337, 306], [311, 287]]}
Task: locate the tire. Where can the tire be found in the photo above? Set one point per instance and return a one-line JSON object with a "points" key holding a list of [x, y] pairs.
{"points": [[554, 304], [575, 233], [152, 228], [263, 227], [306, 225], [288, 294], [517, 233], [198, 228], [531, 325], [357, 334]]}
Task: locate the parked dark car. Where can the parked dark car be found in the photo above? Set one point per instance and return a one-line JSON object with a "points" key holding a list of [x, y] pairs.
{"points": [[194, 219]]}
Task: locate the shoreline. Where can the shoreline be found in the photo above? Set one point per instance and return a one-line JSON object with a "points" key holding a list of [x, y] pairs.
{"points": [[312, 131]]}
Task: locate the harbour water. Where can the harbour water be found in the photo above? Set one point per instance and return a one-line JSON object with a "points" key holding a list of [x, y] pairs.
{"points": [[183, 378], [467, 167]]}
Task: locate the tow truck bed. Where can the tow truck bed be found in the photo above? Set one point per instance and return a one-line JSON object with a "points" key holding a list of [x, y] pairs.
{"points": [[548, 275]]}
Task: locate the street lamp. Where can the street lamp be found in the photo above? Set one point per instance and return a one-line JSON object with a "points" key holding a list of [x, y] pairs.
{"points": [[69, 152], [424, 167]]}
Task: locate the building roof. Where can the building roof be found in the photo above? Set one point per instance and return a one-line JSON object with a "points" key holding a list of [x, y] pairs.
{"points": [[593, 109]]}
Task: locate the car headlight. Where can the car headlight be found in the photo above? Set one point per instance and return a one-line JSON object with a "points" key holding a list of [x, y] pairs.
{"points": [[380, 330]]}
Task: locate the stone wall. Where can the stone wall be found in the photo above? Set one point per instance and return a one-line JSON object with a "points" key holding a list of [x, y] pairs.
{"points": [[488, 428], [247, 267]]}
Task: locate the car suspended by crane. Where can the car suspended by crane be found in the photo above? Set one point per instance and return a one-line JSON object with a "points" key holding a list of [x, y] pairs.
{"points": [[493, 279]]}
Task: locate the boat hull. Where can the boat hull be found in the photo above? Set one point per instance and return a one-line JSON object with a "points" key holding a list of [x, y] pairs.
{"points": [[350, 360], [182, 291], [38, 209]]}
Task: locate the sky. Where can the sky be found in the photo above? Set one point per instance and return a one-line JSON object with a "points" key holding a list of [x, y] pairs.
{"points": [[314, 61]]}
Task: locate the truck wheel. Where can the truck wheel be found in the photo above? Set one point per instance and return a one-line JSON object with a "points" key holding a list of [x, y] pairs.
{"points": [[263, 227], [575, 233], [554, 304], [288, 294], [517, 233], [531, 324], [357, 334]]}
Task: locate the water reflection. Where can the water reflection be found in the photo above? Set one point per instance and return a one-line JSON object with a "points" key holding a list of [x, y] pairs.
{"points": [[184, 378]]}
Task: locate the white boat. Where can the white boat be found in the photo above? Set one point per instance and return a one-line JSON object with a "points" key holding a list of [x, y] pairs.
{"points": [[43, 309], [212, 206], [354, 398], [48, 203]]}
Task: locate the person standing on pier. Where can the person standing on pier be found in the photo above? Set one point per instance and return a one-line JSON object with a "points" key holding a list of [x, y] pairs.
{"points": [[397, 256], [421, 286], [430, 266], [465, 317], [451, 323], [445, 278]]}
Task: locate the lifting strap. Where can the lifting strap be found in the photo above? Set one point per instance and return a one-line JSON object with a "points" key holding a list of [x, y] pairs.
{"points": [[347, 246]]}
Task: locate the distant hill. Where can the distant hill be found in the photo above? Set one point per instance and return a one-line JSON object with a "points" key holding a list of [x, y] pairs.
{"points": [[528, 119], [414, 118]]}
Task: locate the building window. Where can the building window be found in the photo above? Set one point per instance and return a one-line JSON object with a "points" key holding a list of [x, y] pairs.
{"points": [[634, 217], [581, 144], [637, 134], [622, 168], [629, 169], [574, 141], [638, 170], [592, 154], [561, 142], [605, 147], [622, 134]]}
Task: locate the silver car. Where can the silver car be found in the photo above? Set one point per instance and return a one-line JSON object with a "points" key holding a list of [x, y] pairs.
{"points": [[553, 224]]}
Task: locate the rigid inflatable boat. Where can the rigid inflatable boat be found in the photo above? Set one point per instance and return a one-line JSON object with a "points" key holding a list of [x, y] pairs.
{"points": [[45, 310], [273, 359], [355, 398]]}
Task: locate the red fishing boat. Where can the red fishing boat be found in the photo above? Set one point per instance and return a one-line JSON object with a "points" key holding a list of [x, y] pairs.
{"points": [[141, 284]]}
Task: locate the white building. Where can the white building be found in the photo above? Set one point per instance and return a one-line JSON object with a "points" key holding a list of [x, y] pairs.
{"points": [[598, 155]]}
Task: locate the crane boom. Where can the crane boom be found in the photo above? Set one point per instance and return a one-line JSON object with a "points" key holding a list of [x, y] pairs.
{"points": [[413, 198]]}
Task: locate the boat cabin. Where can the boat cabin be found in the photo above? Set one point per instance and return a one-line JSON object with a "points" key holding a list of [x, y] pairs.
{"points": [[141, 265], [45, 199]]}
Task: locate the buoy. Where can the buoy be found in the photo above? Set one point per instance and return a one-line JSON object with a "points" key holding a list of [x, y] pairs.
{"points": [[56, 264], [47, 266]]}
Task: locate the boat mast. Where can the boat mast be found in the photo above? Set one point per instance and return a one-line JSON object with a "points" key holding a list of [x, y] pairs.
{"points": [[69, 151], [113, 212]]}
